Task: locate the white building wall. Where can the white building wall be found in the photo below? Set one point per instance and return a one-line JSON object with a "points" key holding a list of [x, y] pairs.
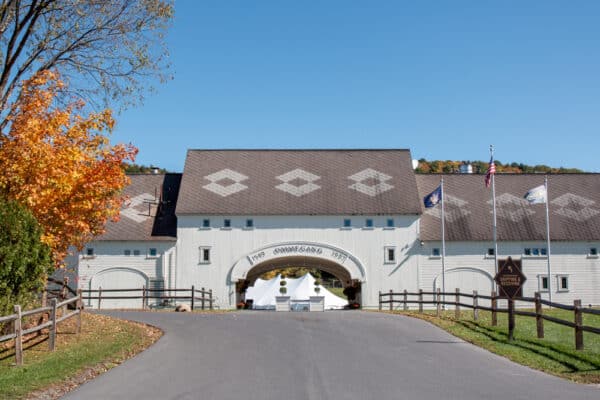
{"points": [[567, 258], [110, 255], [230, 245]]}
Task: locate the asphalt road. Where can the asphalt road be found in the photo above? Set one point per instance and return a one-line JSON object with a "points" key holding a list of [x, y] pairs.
{"points": [[305, 356]]}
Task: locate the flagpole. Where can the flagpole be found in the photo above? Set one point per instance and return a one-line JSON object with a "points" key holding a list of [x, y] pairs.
{"points": [[548, 238], [443, 246], [494, 217]]}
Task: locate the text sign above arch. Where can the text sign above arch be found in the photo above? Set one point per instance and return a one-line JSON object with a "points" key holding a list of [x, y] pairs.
{"points": [[299, 249], [303, 250]]}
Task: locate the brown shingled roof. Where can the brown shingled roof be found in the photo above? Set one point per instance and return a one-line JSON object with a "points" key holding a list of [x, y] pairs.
{"points": [[298, 182], [144, 216], [574, 207]]}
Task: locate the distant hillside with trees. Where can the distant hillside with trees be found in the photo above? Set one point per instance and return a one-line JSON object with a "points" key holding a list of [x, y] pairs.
{"points": [[131, 168], [480, 167]]}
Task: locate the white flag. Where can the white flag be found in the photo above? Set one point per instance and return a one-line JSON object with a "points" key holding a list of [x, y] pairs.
{"points": [[537, 195]]}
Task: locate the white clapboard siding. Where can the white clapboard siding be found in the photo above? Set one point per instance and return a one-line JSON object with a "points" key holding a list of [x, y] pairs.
{"points": [[110, 268], [228, 246]]}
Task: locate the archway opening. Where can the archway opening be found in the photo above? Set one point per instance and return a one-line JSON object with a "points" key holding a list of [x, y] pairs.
{"points": [[350, 287]]}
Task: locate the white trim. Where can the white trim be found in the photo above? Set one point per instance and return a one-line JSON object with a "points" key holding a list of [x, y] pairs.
{"points": [[386, 260], [540, 278], [201, 259], [344, 258], [558, 283]]}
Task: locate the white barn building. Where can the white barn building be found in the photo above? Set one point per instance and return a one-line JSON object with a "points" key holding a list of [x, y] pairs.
{"points": [[357, 214]]}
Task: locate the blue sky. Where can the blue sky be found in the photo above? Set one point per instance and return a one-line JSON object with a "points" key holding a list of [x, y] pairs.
{"points": [[444, 79]]}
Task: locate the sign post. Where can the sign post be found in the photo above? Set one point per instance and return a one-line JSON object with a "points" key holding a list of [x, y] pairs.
{"points": [[510, 282]]}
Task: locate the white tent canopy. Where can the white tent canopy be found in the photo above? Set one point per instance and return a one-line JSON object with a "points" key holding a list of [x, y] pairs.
{"points": [[299, 289]]}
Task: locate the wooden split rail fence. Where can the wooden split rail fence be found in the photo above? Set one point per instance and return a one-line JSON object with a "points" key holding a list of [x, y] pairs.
{"points": [[53, 320], [202, 298], [439, 300]]}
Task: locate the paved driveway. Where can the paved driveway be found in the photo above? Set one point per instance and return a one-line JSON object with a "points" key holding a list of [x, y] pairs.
{"points": [[304, 356]]}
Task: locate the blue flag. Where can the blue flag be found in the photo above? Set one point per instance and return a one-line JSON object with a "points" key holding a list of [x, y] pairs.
{"points": [[433, 198]]}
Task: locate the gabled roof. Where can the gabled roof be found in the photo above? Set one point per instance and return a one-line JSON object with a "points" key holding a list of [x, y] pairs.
{"points": [[298, 182], [149, 213], [574, 205]]}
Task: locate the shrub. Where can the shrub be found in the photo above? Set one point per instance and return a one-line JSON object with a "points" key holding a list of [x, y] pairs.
{"points": [[25, 261]]}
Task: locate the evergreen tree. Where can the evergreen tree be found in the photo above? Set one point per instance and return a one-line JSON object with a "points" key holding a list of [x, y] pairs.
{"points": [[25, 261]]}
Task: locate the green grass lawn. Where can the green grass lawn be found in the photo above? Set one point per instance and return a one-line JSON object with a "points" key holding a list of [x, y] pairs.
{"points": [[554, 354], [103, 343]]}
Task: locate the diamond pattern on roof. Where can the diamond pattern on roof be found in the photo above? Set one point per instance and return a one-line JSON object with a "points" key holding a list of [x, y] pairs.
{"points": [[454, 209], [293, 182], [370, 182], [134, 212], [575, 207], [225, 182], [512, 208]]}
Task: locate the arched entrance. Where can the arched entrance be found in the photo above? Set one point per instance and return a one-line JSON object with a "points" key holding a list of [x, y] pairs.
{"points": [[335, 261]]}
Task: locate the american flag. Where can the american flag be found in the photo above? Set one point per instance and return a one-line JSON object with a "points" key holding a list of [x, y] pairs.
{"points": [[490, 171]]}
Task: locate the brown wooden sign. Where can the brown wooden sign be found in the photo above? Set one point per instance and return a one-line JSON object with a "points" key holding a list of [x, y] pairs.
{"points": [[509, 278]]}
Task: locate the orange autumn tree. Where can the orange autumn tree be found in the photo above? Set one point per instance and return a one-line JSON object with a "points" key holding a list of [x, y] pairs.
{"points": [[61, 165]]}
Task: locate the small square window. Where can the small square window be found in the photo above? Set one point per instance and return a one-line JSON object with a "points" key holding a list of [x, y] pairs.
{"points": [[127, 252], [136, 252], [89, 252], [347, 223], [249, 223], [435, 252], [390, 254], [390, 223], [535, 251], [204, 255], [544, 251], [527, 251], [593, 251], [369, 223], [563, 283], [152, 252], [227, 223], [490, 252], [206, 223]]}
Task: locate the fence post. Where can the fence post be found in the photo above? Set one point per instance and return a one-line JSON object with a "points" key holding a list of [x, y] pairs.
{"points": [[494, 306], [539, 321], [380, 300], [578, 324], [511, 319], [144, 301], [391, 300], [79, 308], [18, 336], [439, 291], [421, 301], [210, 299], [475, 305], [203, 298], [457, 306], [405, 300], [52, 331], [99, 296], [192, 301]]}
